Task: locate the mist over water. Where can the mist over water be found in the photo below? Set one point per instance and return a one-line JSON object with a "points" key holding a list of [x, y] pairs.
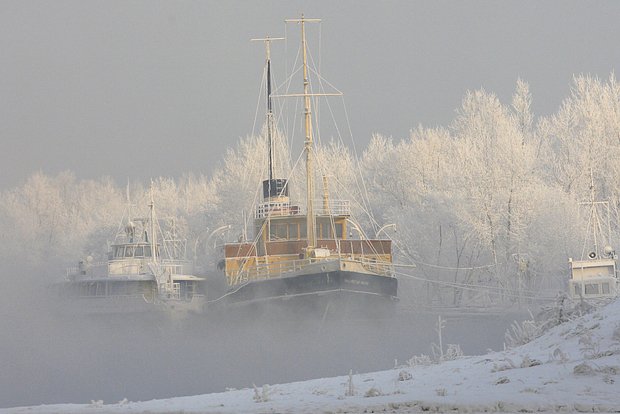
{"points": [[52, 358]]}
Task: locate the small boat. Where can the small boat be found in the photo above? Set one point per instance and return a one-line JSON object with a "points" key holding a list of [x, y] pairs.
{"points": [[145, 272], [301, 254], [595, 274]]}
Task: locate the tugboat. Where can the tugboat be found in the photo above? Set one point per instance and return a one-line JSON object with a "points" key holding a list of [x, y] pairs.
{"points": [[142, 274], [595, 275], [303, 255]]}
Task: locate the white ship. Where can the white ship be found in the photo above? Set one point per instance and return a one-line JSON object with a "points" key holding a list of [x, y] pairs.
{"points": [[146, 271], [595, 274]]}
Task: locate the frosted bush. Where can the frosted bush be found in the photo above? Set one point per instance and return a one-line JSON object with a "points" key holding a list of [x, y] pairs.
{"points": [[583, 369], [453, 352], [261, 395], [588, 345], [373, 392], [350, 392], [527, 362], [441, 392], [559, 355], [404, 376], [520, 333], [422, 359]]}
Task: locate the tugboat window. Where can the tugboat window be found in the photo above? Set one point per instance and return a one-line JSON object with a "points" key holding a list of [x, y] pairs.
{"points": [[592, 289], [338, 230], [293, 231], [605, 287]]}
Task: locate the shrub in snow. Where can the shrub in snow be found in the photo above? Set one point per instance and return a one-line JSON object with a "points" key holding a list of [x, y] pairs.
{"points": [[453, 352], [404, 376], [441, 392], [503, 365], [583, 369], [502, 380], [261, 395], [527, 362], [350, 392], [422, 359], [588, 346], [563, 310], [559, 355], [520, 333], [373, 392]]}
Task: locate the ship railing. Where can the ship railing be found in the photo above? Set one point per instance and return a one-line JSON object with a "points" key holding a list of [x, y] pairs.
{"points": [[276, 269], [175, 267], [376, 266], [92, 269], [284, 208], [333, 208], [276, 208], [170, 292]]}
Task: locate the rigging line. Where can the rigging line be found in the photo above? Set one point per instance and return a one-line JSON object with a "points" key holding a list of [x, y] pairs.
{"points": [[362, 188], [458, 268], [365, 195], [475, 288], [495, 289], [320, 43], [260, 94], [286, 76], [289, 80], [321, 78]]}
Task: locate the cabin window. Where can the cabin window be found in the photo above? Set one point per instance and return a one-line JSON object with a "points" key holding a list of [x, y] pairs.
{"points": [[139, 251], [592, 289], [325, 231], [147, 251], [278, 231], [605, 288], [578, 291], [281, 231], [129, 251], [119, 251], [293, 231], [338, 230]]}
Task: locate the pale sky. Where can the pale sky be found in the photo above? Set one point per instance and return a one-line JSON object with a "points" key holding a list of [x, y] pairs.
{"points": [[135, 89]]}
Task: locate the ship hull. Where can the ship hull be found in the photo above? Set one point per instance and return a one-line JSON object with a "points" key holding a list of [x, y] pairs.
{"points": [[337, 293]]}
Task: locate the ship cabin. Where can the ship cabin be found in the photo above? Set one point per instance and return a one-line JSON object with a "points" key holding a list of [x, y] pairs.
{"points": [[131, 258], [594, 278], [280, 238]]}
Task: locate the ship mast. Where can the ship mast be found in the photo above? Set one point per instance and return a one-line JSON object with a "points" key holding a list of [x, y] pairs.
{"points": [[153, 228], [268, 41], [308, 143]]}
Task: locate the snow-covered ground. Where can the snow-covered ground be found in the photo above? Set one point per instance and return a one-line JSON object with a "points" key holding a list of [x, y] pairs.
{"points": [[572, 367]]}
